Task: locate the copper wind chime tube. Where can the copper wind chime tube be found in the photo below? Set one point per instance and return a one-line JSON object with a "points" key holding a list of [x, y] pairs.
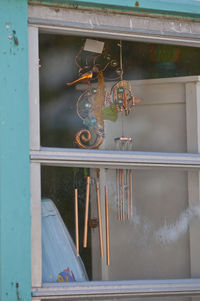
{"points": [[118, 194], [99, 218], [86, 212], [127, 192], [131, 189], [76, 221], [124, 99], [107, 227], [124, 186]]}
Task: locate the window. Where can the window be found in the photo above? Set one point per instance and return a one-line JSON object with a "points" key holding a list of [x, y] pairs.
{"points": [[148, 187]]}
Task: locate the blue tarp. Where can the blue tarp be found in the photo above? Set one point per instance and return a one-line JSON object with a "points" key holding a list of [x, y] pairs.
{"points": [[58, 249]]}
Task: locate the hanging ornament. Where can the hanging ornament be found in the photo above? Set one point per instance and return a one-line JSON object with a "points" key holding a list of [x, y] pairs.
{"points": [[87, 198], [124, 101], [91, 103], [123, 97], [94, 106]]}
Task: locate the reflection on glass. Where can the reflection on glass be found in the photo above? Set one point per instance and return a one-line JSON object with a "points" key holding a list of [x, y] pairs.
{"points": [[58, 192], [141, 223], [114, 90]]}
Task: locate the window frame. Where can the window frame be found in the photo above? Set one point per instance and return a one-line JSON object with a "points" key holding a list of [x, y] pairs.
{"points": [[46, 19]]}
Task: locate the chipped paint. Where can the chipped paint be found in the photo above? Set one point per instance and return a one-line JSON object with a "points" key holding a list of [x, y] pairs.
{"points": [[15, 38], [7, 25], [14, 141], [183, 8]]}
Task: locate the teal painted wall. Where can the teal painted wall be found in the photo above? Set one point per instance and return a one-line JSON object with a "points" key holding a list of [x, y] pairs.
{"points": [[15, 267], [184, 8], [15, 250]]}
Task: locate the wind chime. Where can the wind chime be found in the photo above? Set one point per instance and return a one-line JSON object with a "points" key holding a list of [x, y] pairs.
{"points": [[124, 101], [93, 106]]}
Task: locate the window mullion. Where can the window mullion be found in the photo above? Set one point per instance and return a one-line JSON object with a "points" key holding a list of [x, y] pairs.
{"points": [[113, 159], [119, 289], [36, 226], [130, 27], [36, 255], [193, 145], [34, 91]]}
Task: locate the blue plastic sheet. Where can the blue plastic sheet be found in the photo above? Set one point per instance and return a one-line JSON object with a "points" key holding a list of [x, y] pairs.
{"points": [[58, 249]]}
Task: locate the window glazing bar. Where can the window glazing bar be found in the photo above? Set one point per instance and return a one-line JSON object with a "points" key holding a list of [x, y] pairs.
{"points": [[113, 159], [138, 37], [147, 28], [118, 289]]}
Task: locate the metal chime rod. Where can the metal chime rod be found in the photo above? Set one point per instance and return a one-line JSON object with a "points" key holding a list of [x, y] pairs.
{"points": [[86, 212], [124, 186], [118, 193], [107, 227], [120, 188], [121, 59], [127, 193], [131, 190], [100, 222], [122, 194], [121, 78], [76, 221]]}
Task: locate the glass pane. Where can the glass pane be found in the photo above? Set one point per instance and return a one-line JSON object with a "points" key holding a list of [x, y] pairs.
{"points": [[148, 227], [137, 94]]}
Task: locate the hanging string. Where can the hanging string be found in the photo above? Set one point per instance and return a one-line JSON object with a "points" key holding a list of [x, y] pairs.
{"points": [[121, 59], [121, 78], [124, 177]]}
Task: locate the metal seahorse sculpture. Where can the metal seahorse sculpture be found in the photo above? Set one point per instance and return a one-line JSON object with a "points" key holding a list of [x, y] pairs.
{"points": [[99, 100], [96, 98], [90, 105], [84, 136]]}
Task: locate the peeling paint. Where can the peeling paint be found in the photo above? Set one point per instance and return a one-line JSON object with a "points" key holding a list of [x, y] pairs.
{"points": [[18, 292], [13, 38], [90, 21], [175, 8], [131, 24], [14, 140], [13, 41], [16, 42]]}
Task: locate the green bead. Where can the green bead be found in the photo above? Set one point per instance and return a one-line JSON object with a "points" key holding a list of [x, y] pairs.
{"points": [[108, 57], [120, 101], [90, 121], [87, 105], [118, 71], [93, 121], [86, 121], [94, 90], [114, 63], [120, 90]]}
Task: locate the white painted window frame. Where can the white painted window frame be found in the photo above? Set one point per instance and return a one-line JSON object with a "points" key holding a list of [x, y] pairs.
{"points": [[129, 27]]}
